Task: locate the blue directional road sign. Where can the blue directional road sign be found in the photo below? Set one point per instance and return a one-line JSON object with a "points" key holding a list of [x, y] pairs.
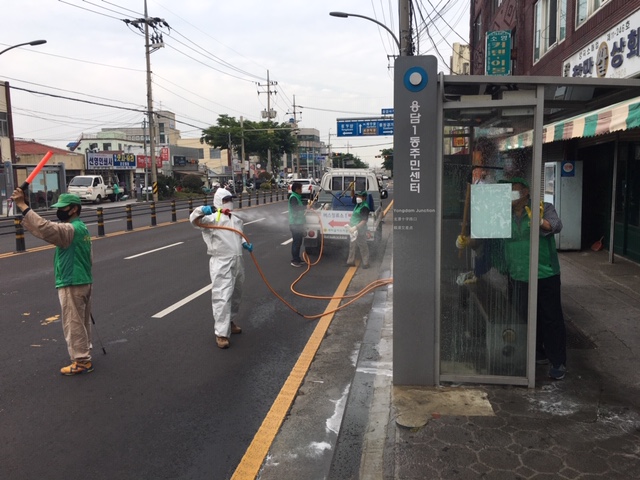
{"points": [[364, 127]]}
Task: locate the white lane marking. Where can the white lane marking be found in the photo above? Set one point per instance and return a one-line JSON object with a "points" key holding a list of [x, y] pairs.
{"points": [[287, 242], [182, 302], [152, 251], [255, 221], [284, 213]]}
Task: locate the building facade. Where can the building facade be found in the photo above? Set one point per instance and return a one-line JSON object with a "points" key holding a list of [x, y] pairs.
{"points": [[578, 38]]}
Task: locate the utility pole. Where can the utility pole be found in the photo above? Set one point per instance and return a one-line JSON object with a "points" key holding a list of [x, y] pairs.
{"points": [[329, 156], [404, 22], [295, 162], [146, 161], [268, 113], [244, 174], [152, 43]]}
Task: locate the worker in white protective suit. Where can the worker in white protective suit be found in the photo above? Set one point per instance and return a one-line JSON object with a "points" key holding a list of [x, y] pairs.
{"points": [[226, 266]]}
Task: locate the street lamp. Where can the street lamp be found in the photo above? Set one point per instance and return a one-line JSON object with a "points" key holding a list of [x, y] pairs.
{"points": [[345, 15], [33, 43]]}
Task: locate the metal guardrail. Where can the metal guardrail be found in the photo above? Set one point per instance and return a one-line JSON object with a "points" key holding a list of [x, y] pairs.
{"points": [[135, 211]]}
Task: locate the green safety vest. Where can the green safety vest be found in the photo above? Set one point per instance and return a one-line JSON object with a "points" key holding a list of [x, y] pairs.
{"points": [[516, 252], [356, 217], [72, 265], [296, 215]]}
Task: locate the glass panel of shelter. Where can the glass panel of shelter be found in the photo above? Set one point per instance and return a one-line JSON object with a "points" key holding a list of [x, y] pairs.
{"points": [[483, 312]]}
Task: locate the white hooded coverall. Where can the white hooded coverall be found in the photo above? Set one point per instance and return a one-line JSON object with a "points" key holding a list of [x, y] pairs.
{"points": [[226, 266]]}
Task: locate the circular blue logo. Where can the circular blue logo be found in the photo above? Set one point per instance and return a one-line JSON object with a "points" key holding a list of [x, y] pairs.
{"points": [[415, 79]]}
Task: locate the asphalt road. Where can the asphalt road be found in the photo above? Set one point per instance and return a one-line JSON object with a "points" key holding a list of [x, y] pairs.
{"points": [[164, 402]]}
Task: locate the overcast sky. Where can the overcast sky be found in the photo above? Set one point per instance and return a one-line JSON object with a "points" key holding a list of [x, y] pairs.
{"points": [[215, 55]]}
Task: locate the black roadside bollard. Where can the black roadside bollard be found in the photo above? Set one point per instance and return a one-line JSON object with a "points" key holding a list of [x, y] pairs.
{"points": [[190, 206], [20, 246], [154, 221], [257, 197], [271, 200], [173, 211], [249, 199], [264, 197], [100, 212], [240, 201], [129, 218]]}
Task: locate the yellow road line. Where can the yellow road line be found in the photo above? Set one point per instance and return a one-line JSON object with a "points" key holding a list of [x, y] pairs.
{"points": [[386, 210], [249, 466]]}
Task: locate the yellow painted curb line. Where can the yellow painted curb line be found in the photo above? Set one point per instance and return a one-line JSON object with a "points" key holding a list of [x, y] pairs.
{"points": [[249, 466]]}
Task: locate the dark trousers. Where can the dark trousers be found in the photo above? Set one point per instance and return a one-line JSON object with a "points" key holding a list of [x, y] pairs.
{"points": [[551, 334], [297, 234]]}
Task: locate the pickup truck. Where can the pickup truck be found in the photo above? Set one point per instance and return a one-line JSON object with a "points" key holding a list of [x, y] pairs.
{"points": [[91, 188], [329, 218]]}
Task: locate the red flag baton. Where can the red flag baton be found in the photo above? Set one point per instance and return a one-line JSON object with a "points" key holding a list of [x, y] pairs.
{"points": [[36, 171]]}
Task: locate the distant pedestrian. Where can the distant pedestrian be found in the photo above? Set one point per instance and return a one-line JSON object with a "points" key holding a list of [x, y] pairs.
{"points": [[73, 272], [226, 266], [358, 230], [297, 221]]}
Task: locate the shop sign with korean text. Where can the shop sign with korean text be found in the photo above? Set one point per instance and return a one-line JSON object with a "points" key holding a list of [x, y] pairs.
{"points": [[498, 53], [615, 54]]}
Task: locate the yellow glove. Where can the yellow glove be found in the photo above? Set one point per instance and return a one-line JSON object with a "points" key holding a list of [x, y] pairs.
{"points": [[528, 210], [462, 242]]}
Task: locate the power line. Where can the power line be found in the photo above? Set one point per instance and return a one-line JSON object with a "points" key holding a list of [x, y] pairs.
{"points": [[89, 10], [69, 91], [336, 111], [217, 59]]}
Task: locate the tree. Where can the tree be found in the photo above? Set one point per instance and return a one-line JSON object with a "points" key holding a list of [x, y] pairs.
{"points": [[192, 183], [387, 155], [347, 160], [259, 138]]}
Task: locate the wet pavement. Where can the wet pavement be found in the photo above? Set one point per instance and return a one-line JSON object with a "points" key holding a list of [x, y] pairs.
{"points": [[586, 426]]}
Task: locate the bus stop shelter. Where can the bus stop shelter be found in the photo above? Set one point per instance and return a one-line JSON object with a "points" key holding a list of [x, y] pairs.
{"points": [[455, 138]]}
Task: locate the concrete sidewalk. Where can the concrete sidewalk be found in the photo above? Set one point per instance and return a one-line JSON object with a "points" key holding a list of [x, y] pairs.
{"points": [[585, 426]]}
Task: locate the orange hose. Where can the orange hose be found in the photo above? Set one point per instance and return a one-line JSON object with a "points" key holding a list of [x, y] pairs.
{"points": [[372, 286]]}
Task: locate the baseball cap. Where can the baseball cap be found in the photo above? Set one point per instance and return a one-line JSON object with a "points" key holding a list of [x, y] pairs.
{"points": [[362, 193], [66, 199]]}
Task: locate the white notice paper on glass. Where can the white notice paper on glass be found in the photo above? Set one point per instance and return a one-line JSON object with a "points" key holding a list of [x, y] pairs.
{"points": [[491, 210]]}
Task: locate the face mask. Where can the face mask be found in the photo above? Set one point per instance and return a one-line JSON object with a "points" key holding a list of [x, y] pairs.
{"points": [[358, 200], [63, 215], [227, 206], [515, 195]]}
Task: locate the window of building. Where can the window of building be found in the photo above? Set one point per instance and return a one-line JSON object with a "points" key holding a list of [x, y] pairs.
{"points": [[106, 147], [586, 8], [4, 125], [214, 153], [201, 154], [550, 26]]}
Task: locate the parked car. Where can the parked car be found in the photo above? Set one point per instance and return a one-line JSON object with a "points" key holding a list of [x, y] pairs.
{"points": [[310, 189]]}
